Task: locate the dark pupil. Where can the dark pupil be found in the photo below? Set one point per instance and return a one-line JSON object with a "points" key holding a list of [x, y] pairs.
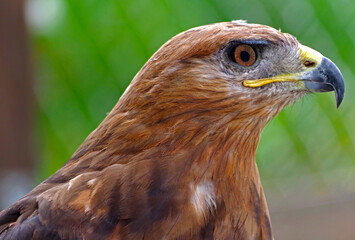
{"points": [[244, 56]]}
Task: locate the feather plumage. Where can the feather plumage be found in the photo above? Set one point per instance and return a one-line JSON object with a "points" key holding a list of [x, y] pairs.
{"points": [[175, 158]]}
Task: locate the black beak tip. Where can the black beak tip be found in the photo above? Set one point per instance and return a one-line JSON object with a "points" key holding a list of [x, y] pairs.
{"points": [[336, 80], [339, 95], [326, 77]]}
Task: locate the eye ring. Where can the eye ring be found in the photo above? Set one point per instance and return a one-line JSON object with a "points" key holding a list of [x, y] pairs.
{"points": [[244, 55]]}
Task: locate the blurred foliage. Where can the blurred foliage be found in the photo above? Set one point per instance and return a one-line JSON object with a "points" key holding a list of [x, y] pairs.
{"points": [[87, 52]]}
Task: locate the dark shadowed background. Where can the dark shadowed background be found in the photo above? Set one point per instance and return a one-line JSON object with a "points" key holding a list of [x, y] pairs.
{"points": [[64, 64]]}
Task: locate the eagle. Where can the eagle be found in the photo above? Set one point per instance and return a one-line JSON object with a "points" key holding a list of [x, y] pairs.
{"points": [[175, 158]]}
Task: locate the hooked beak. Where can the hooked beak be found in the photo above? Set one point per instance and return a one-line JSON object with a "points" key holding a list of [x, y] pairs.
{"points": [[324, 78], [319, 74]]}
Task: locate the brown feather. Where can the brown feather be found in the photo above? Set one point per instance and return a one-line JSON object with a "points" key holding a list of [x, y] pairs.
{"points": [[174, 159]]}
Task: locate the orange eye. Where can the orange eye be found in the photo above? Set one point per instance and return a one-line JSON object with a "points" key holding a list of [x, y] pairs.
{"points": [[244, 55]]}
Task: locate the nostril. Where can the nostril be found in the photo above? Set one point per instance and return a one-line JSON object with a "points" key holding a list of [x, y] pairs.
{"points": [[308, 63]]}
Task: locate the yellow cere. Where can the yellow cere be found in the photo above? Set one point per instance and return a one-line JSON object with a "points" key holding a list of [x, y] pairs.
{"points": [[306, 54], [309, 54]]}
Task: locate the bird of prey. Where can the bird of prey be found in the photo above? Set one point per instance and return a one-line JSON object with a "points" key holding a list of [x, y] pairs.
{"points": [[175, 158]]}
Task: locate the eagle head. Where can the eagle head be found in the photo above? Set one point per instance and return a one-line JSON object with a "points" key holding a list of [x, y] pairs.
{"points": [[175, 158], [253, 69]]}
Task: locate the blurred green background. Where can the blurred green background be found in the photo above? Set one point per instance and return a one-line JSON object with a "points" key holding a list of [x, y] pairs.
{"points": [[85, 54]]}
